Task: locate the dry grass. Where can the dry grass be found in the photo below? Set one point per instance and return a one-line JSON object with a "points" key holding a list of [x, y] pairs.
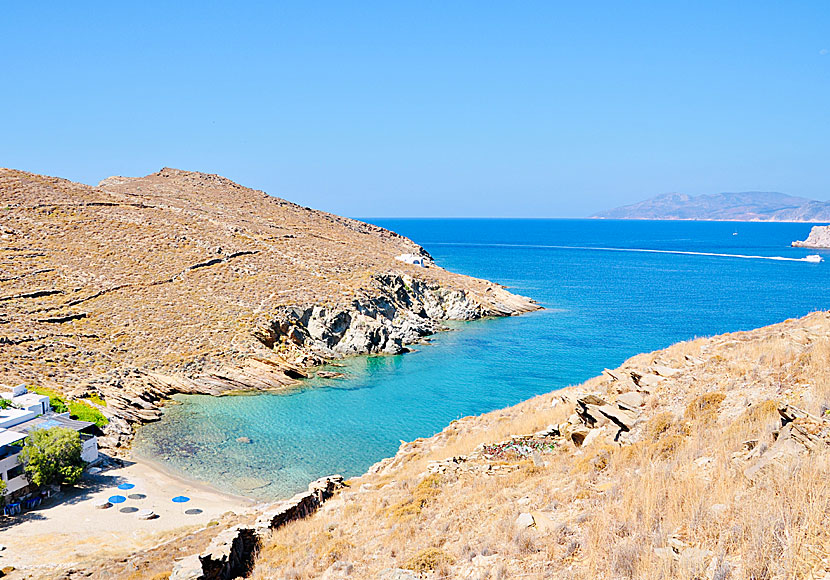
{"points": [[426, 490], [429, 560]]}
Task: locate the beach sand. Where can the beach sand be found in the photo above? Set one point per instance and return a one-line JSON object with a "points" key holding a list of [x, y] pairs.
{"points": [[68, 530]]}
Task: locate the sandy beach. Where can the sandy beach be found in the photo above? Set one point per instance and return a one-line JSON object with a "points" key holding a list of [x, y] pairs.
{"points": [[68, 530]]}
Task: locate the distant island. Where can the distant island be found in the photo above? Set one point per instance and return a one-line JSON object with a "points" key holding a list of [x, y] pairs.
{"points": [[744, 206]]}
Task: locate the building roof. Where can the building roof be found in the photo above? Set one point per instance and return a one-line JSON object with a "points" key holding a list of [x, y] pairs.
{"points": [[29, 399], [10, 417], [8, 437], [49, 421]]}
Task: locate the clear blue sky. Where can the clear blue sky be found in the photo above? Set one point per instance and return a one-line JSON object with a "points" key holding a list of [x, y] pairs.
{"points": [[426, 108]]}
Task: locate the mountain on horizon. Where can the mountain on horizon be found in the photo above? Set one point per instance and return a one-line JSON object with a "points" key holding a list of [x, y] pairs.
{"points": [[742, 206]]}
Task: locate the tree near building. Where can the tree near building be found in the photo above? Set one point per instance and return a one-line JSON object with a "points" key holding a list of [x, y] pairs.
{"points": [[52, 456]]}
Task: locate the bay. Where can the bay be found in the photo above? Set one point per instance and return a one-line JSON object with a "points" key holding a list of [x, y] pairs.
{"points": [[611, 289]]}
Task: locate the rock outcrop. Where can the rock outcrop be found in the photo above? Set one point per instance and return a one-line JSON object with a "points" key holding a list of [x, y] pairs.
{"points": [[800, 433], [819, 238], [231, 553], [405, 310]]}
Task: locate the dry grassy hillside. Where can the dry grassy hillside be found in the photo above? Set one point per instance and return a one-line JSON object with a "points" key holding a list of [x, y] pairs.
{"points": [[179, 281], [709, 459]]}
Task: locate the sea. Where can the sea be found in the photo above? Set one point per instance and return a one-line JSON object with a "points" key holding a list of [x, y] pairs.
{"points": [[610, 289]]}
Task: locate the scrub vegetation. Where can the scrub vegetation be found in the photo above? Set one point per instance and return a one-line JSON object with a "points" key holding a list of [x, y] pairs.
{"points": [[77, 409], [52, 456]]}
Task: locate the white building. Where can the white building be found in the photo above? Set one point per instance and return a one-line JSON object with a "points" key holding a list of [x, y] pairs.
{"points": [[30, 412], [21, 398], [413, 259], [11, 471], [12, 417]]}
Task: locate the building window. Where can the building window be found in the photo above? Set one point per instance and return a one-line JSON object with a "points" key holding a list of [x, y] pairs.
{"points": [[15, 471]]}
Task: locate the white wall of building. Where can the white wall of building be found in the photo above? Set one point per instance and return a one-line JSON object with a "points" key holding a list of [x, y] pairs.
{"points": [[12, 417], [89, 449], [15, 483]]}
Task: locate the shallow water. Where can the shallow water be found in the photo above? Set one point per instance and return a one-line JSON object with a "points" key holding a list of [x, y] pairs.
{"points": [[602, 306]]}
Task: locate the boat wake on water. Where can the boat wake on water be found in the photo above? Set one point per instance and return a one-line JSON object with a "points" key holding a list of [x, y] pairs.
{"points": [[813, 258]]}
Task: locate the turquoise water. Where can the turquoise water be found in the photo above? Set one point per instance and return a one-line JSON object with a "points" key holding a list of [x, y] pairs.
{"points": [[602, 306]]}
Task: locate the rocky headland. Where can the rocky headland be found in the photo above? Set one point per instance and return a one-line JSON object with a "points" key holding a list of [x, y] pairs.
{"points": [[184, 282], [819, 238]]}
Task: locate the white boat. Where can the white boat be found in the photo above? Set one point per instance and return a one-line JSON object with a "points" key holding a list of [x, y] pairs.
{"points": [[815, 258]]}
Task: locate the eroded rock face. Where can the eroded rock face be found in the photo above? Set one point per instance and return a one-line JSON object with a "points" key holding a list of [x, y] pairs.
{"points": [[406, 310], [592, 412], [800, 433]]}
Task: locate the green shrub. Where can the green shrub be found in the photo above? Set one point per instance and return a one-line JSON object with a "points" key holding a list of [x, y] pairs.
{"points": [[77, 409], [83, 412], [52, 456], [55, 400]]}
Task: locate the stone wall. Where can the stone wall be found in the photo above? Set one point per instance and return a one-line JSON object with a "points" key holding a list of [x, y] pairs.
{"points": [[232, 552]]}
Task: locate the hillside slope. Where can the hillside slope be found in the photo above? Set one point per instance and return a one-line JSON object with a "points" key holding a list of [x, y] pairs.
{"points": [[708, 459], [746, 206], [188, 282]]}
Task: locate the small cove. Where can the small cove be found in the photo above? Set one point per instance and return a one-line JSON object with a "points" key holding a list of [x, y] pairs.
{"points": [[601, 308]]}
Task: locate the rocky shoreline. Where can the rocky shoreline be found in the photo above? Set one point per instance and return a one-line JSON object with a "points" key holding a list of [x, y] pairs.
{"points": [[301, 338], [668, 466], [819, 238]]}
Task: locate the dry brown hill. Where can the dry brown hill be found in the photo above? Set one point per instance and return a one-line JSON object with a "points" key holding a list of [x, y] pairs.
{"points": [[185, 281]]}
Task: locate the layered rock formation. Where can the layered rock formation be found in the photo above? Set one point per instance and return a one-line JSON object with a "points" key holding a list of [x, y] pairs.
{"points": [[819, 238], [188, 282]]}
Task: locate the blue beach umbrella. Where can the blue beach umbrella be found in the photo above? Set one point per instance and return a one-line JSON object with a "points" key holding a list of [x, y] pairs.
{"points": [[180, 499], [126, 486], [117, 499]]}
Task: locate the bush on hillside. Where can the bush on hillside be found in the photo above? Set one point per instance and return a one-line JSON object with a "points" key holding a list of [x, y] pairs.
{"points": [[84, 412], [77, 409], [54, 399], [52, 456]]}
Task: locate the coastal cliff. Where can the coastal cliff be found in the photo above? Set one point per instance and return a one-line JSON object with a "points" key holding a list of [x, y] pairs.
{"points": [[819, 238], [186, 282]]}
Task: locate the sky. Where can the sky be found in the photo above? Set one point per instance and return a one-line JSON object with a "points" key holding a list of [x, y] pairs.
{"points": [[426, 109]]}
